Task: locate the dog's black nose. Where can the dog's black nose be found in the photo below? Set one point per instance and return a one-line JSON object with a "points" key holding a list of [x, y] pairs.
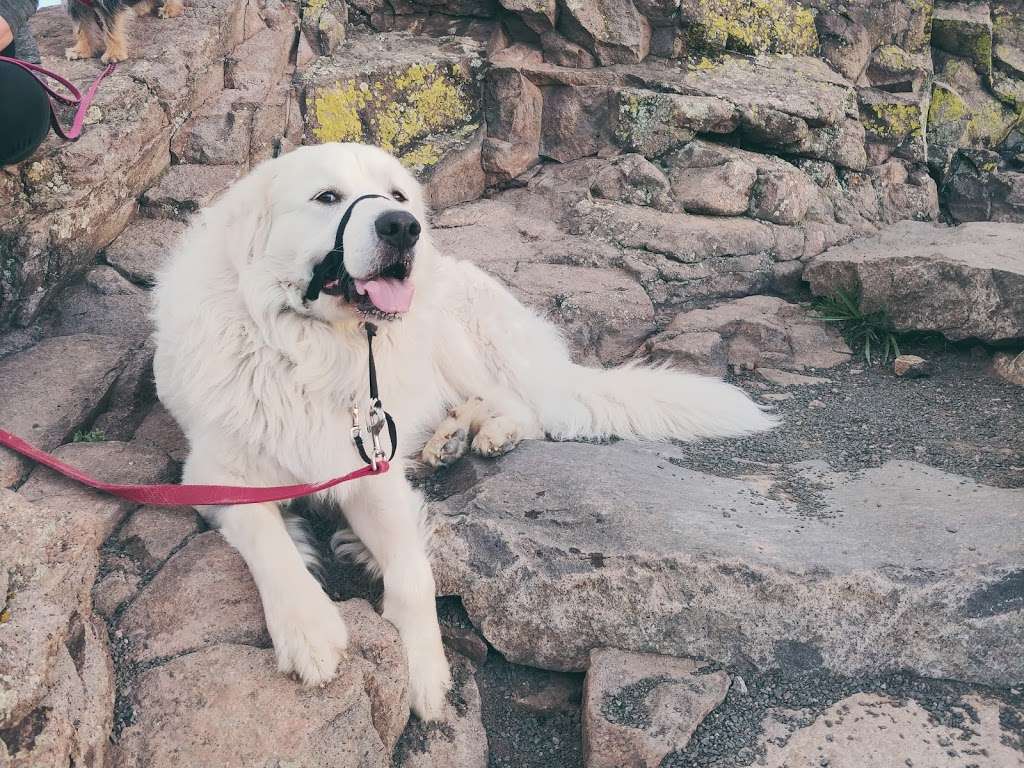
{"points": [[399, 228]]}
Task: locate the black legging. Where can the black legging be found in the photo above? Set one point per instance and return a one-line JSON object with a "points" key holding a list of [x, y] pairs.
{"points": [[24, 112]]}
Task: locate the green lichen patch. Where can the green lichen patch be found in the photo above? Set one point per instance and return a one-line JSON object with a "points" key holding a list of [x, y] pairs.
{"points": [[396, 110], [893, 121], [751, 26]]}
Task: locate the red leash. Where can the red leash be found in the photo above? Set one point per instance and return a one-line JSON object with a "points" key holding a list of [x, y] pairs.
{"points": [[76, 99], [167, 495]]}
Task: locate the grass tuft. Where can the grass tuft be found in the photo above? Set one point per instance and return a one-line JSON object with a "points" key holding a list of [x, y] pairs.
{"points": [[92, 436], [870, 332]]}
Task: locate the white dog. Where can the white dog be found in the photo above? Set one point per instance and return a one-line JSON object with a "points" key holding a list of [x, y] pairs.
{"points": [[260, 357]]}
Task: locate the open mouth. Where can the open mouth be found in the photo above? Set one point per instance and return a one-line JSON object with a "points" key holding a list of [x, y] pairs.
{"points": [[385, 295]]}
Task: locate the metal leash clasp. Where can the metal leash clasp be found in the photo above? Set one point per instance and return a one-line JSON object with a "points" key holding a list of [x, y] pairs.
{"points": [[374, 425]]}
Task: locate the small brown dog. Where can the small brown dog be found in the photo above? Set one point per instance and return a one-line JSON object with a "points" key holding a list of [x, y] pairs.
{"points": [[100, 25]]}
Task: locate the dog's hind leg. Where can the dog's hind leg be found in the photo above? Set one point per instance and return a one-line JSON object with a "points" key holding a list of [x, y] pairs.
{"points": [[114, 37], [491, 425], [387, 516]]}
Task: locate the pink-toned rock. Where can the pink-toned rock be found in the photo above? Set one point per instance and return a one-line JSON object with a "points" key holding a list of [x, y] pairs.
{"points": [[204, 595], [210, 707], [160, 429], [152, 534], [512, 107], [143, 247], [51, 389], [184, 189], [639, 707], [614, 30], [748, 333]]}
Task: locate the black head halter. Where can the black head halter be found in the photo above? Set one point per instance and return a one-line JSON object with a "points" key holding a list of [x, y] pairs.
{"points": [[333, 264]]}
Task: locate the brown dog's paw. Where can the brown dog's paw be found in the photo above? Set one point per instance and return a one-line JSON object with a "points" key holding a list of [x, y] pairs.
{"points": [[171, 9]]}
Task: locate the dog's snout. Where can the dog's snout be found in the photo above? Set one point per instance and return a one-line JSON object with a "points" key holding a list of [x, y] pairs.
{"points": [[399, 228]]}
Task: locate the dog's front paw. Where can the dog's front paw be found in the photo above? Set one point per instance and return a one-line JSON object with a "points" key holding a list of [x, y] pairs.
{"points": [[75, 53], [497, 436], [449, 443], [429, 678], [113, 56], [309, 634]]}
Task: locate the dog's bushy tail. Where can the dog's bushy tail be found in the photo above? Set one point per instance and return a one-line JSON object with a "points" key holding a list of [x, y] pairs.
{"points": [[651, 403]]}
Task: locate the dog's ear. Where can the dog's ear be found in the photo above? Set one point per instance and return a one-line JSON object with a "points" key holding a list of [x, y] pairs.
{"points": [[241, 216]]}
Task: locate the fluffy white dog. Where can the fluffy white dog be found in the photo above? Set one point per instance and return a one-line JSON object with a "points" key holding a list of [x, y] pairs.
{"points": [[260, 356]]}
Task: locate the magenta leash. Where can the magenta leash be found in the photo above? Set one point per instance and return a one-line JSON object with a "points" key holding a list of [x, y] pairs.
{"points": [[76, 99]]}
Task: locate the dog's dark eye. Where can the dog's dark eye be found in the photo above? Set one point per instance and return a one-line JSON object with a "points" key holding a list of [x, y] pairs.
{"points": [[330, 197], [397, 195]]}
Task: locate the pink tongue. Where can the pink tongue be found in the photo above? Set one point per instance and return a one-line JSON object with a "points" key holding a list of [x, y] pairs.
{"points": [[388, 294]]}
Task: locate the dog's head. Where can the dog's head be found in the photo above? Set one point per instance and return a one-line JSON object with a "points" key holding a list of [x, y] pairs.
{"points": [[334, 231]]}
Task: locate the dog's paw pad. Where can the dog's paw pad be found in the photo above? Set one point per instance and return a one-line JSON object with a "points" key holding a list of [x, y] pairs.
{"points": [[113, 57], [445, 448], [496, 437]]}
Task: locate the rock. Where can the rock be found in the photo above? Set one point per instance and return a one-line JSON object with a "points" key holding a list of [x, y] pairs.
{"points": [[748, 333], [964, 282], [52, 389], [184, 189], [112, 591], [324, 25], [576, 122], [160, 429], [844, 43], [553, 693], [209, 706], [455, 175], [203, 596], [104, 303], [794, 105], [790, 379], [563, 53], [512, 107], [637, 708], [219, 133], [719, 190], [551, 545], [97, 514], [604, 312], [775, 26], [653, 123], [897, 70], [911, 366], [56, 684], [459, 740], [873, 729], [981, 186], [895, 124], [537, 16], [152, 534], [465, 642], [141, 250], [394, 90], [632, 179], [613, 30], [1010, 367], [964, 29]]}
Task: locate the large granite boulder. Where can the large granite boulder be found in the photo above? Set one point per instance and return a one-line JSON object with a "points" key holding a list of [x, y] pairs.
{"points": [[552, 545], [964, 282]]}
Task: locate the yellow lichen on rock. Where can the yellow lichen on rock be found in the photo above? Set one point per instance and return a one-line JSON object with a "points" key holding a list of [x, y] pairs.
{"points": [[394, 110], [756, 26], [894, 121], [946, 107]]}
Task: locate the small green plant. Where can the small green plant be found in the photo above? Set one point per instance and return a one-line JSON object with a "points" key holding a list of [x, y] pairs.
{"points": [[92, 436], [871, 332]]}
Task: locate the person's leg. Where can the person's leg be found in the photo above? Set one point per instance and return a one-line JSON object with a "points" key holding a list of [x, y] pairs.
{"points": [[24, 114]]}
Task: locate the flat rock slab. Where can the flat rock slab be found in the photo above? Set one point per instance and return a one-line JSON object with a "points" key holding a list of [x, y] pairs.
{"points": [[143, 247], [752, 332], [228, 705], [557, 549], [639, 707], [964, 282], [867, 730], [50, 389], [184, 189]]}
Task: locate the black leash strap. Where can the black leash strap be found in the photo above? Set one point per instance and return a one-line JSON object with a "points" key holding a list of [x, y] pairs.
{"points": [[333, 264], [378, 416]]}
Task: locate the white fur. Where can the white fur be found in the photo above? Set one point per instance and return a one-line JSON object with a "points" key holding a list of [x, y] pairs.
{"points": [[262, 383]]}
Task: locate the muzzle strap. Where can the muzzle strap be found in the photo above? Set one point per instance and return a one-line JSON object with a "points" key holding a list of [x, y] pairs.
{"points": [[333, 264]]}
